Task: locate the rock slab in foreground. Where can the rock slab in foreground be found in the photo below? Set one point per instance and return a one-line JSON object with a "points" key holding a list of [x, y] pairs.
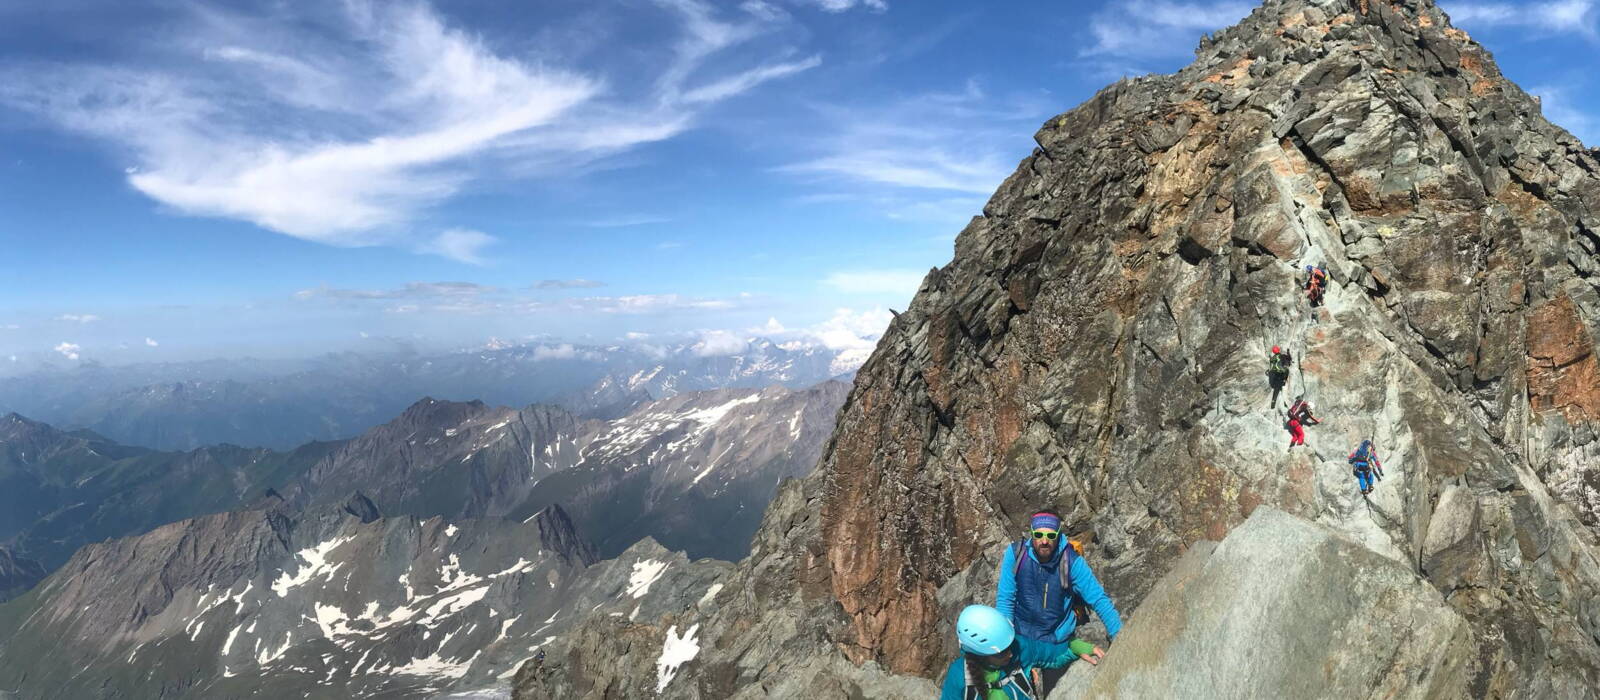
{"points": [[1284, 608]]}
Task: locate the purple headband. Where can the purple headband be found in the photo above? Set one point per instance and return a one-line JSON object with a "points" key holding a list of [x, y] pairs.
{"points": [[1045, 521]]}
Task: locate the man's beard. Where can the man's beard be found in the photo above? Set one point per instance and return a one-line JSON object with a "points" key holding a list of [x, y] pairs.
{"points": [[1044, 551]]}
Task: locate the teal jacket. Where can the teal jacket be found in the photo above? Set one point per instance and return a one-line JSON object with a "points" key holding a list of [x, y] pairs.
{"points": [[1026, 654]]}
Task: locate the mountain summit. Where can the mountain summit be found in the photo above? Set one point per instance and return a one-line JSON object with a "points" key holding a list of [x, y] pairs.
{"points": [[1099, 343]]}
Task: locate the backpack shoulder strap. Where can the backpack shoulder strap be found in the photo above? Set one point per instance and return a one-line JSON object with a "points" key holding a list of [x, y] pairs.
{"points": [[1019, 549], [1064, 569]]}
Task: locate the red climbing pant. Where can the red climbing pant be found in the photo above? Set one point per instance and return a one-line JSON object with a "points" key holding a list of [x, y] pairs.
{"points": [[1297, 434]]}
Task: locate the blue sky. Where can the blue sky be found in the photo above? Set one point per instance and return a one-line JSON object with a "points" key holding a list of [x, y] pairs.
{"points": [[185, 179]]}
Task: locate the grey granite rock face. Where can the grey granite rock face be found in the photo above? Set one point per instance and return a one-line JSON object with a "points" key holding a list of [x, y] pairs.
{"points": [[1284, 608], [1098, 343]]}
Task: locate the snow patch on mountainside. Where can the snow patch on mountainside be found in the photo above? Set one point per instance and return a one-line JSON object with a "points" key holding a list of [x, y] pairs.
{"points": [[644, 573], [316, 559], [675, 652]]}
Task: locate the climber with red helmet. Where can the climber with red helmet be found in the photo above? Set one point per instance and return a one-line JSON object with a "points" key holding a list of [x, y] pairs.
{"points": [[996, 663], [1278, 364]]}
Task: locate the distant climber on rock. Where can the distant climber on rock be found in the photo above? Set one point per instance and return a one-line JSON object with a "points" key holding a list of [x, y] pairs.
{"points": [[1365, 462], [1301, 410], [1316, 284], [1299, 416], [1278, 364], [1046, 588], [996, 664]]}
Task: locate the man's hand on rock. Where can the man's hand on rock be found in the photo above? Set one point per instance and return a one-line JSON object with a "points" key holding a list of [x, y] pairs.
{"points": [[1094, 657]]}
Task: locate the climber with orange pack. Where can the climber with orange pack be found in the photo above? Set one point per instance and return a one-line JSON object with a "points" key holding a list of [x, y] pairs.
{"points": [[1316, 284]]}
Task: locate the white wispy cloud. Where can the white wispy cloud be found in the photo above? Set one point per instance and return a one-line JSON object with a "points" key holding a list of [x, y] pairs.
{"points": [[1154, 28], [625, 221], [733, 85], [9, 326], [411, 290], [579, 283], [851, 333], [151, 342], [847, 5], [68, 350], [648, 303], [343, 125], [924, 145], [1579, 17], [460, 245], [78, 318], [564, 351], [474, 299], [719, 343], [896, 282]]}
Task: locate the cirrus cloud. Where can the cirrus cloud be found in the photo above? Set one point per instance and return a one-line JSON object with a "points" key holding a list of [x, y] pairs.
{"points": [[344, 123]]}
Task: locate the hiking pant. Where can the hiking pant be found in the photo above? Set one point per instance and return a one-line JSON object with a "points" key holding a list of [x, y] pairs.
{"points": [[1297, 434], [1364, 478]]}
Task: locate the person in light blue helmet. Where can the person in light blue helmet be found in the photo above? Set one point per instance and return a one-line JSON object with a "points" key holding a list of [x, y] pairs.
{"points": [[996, 664]]}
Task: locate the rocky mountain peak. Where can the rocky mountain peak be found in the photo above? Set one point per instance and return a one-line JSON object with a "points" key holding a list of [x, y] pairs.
{"points": [[1099, 344], [429, 411], [15, 427], [362, 507], [557, 532]]}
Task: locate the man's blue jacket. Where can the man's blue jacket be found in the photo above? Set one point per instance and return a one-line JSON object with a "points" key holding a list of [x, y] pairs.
{"points": [[1034, 600]]}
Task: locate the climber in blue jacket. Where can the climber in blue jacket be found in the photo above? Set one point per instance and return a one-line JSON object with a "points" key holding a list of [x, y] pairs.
{"points": [[995, 663], [1046, 588]]}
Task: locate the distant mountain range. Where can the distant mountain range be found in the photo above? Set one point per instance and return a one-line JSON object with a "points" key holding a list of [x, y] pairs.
{"points": [[665, 469], [436, 551], [281, 404], [271, 603]]}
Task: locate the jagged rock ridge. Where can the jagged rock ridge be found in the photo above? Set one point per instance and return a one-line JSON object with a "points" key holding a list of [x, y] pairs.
{"points": [[1098, 343]]}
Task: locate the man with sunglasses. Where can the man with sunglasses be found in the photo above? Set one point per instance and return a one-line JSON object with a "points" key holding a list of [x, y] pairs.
{"points": [[1046, 588]]}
